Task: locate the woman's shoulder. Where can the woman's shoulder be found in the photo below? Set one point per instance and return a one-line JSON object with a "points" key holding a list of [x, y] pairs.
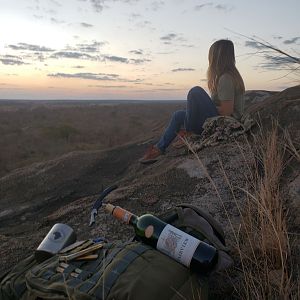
{"points": [[226, 77], [225, 82]]}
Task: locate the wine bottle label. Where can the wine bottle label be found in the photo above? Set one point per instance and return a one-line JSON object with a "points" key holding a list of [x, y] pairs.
{"points": [[177, 244]]}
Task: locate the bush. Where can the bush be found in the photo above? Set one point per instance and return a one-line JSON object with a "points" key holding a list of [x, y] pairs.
{"points": [[60, 132]]}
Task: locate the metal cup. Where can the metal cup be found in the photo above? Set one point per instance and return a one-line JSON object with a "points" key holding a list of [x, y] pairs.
{"points": [[59, 237]]}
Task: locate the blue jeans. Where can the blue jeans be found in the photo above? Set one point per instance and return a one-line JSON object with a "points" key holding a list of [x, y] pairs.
{"points": [[199, 108]]}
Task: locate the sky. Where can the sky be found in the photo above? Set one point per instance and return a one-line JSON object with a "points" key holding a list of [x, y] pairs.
{"points": [[139, 49]]}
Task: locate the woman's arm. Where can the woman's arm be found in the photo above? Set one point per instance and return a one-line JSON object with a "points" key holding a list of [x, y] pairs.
{"points": [[226, 107], [226, 93]]}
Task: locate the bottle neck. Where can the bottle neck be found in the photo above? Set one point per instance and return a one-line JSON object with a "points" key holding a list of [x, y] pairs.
{"points": [[122, 214], [133, 220]]}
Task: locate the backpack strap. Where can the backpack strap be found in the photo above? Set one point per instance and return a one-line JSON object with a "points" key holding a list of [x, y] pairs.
{"points": [[13, 283], [98, 267], [214, 224], [103, 290]]}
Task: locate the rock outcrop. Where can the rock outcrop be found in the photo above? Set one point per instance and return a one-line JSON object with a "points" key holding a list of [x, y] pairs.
{"points": [[63, 189]]}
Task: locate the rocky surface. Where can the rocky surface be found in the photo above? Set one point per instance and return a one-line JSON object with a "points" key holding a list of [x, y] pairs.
{"points": [[63, 190]]}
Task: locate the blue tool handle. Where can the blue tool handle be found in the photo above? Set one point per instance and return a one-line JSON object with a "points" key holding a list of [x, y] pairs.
{"points": [[99, 201]]}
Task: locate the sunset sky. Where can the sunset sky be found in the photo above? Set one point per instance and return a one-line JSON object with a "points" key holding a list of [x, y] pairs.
{"points": [[138, 49]]}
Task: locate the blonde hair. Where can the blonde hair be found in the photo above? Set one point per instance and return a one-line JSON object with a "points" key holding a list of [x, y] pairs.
{"points": [[221, 60]]}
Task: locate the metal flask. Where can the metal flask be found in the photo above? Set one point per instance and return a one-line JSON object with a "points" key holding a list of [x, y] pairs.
{"points": [[59, 237]]}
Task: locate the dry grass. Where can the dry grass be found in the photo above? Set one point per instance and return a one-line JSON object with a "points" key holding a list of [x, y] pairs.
{"points": [[262, 242]]}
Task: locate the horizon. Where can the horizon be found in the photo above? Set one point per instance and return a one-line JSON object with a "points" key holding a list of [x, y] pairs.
{"points": [[138, 50], [92, 100], [108, 100]]}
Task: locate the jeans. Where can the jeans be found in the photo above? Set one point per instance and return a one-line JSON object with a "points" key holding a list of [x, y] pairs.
{"points": [[199, 108]]}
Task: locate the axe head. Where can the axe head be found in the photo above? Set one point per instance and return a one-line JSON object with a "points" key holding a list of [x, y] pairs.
{"points": [[93, 217]]}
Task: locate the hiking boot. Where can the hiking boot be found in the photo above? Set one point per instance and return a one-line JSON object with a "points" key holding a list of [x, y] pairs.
{"points": [[151, 155]]}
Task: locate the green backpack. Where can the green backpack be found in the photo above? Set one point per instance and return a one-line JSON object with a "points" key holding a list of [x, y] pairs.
{"points": [[129, 270], [13, 284], [200, 224]]}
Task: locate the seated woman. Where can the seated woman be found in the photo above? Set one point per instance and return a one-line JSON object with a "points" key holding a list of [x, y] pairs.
{"points": [[227, 89]]}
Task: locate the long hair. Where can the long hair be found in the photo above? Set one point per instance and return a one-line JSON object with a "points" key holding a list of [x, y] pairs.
{"points": [[221, 60]]}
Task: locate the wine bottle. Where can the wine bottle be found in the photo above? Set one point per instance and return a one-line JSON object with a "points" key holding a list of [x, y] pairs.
{"points": [[177, 244]]}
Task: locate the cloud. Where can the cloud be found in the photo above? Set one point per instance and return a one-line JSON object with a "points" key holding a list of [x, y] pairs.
{"points": [[144, 24], [56, 21], [125, 60], [30, 47], [279, 62], [167, 89], [137, 52], [81, 51], [116, 58], [94, 76], [12, 60], [7, 61], [156, 5], [275, 61], [169, 37], [159, 90], [223, 7], [78, 67], [98, 5], [138, 61], [292, 41], [135, 16], [188, 45], [183, 70], [129, 1], [165, 52], [88, 47], [255, 45], [200, 6], [86, 25], [143, 83], [108, 86], [91, 47], [56, 3], [90, 76], [74, 55]]}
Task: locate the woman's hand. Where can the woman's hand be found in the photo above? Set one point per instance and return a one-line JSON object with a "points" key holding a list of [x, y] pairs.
{"points": [[226, 107]]}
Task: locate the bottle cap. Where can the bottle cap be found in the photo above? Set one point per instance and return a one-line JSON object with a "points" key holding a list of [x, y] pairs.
{"points": [[109, 208]]}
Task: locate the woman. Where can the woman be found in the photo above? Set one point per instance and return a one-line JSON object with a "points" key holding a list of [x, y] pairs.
{"points": [[227, 89]]}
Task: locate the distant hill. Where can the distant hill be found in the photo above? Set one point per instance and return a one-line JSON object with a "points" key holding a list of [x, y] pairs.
{"points": [[33, 131]]}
